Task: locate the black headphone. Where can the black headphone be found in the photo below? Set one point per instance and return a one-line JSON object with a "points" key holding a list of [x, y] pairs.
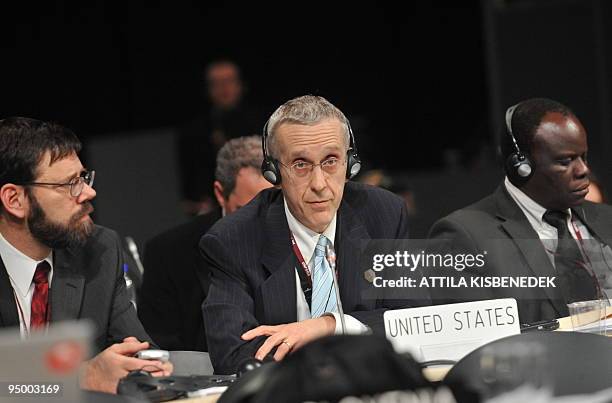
{"points": [[518, 165], [269, 166]]}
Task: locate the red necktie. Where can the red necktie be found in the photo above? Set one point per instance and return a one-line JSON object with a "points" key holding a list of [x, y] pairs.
{"points": [[38, 315]]}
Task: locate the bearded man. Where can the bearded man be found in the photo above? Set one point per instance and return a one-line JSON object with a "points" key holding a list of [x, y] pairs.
{"points": [[55, 263]]}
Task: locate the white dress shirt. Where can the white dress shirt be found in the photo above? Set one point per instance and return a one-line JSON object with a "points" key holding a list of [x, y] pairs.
{"points": [[306, 240], [546, 232], [20, 269]]}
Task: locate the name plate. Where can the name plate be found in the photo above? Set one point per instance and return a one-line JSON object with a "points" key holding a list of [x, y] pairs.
{"points": [[449, 332]]}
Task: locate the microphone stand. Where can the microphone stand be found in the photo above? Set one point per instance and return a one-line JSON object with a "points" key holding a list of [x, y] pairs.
{"points": [[134, 251], [330, 255]]}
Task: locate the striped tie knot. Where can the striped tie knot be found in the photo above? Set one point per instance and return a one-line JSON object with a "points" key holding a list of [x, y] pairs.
{"points": [[321, 244]]}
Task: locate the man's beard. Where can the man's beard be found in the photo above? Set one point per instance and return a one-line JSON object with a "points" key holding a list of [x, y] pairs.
{"points": [[59, 236]]}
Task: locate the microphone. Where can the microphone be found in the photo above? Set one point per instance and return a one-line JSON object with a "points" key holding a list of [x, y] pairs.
{"points": [[247, 365], [330, 255], [134, 251]]}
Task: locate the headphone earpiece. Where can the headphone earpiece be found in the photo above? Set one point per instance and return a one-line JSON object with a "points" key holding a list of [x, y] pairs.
{"points": [[518, 165], [353, 162], [270, 171], [269, 166]]}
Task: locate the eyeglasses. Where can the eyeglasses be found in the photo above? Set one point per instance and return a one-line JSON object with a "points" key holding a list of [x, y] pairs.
{"points": [[76, 184], [303, 169]]}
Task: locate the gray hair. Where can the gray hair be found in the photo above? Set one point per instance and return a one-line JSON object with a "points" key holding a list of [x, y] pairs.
{"points": [[238, 153], [304, 110]]}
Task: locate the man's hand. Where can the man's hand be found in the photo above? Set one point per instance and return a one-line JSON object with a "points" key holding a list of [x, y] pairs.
{"points": [[103, 372], [291, 336]]}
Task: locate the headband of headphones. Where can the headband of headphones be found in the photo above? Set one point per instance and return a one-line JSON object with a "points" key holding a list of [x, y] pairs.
{"points": [[509, 114], [518, 166], [264, 139]]}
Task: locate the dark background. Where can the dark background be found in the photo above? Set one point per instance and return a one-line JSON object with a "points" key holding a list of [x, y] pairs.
{"points": [[425, 85], [102, 68]]}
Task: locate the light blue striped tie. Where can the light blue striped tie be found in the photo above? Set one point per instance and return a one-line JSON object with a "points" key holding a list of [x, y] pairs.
{"points": [[323, 294]]}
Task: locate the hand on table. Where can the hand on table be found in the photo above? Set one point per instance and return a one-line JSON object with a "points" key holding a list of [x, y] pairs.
{"points": [[290, 336], [103, 372]]}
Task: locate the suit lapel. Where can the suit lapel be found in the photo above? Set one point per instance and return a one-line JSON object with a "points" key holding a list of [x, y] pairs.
{"points": [[279, 289], [597, 249], [351, 235], [599, 229], [194, 257], [67, 286], [516, 225], [8, 308]]}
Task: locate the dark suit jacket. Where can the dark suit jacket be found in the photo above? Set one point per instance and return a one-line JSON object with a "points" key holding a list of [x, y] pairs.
{"points": [[498, 225], [170, 301], [87, 284], [252, 268]]}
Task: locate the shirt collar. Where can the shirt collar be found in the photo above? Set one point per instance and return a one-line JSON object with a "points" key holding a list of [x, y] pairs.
{"points": [[527, 204], [20, 267], [306, 238]]}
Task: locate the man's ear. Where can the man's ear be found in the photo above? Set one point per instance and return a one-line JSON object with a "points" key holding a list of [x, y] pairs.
{"points": [[14, 200], [218, 189]]}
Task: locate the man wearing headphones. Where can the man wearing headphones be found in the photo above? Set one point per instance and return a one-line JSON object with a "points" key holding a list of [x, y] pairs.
{"points": [[272, 285], [537, 223]]}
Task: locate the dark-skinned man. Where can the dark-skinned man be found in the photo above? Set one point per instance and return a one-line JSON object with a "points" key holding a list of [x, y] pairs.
{"points": [[537, 223]]}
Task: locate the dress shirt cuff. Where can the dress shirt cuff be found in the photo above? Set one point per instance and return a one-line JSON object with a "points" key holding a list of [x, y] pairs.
{"points": [[353, 326]]}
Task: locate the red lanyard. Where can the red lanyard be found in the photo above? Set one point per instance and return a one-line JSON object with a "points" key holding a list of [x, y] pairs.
{"points": [[300, 258], [580, 240], [576, 230]]}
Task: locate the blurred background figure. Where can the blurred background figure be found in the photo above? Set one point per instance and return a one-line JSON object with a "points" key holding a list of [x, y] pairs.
{"points": [[430, 120], [382, 179], [174, 285], [596, 192], [225, 116]]}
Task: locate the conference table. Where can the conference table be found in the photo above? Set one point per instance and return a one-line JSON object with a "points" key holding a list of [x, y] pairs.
{"points": [[434, 374], [204, 399]]}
